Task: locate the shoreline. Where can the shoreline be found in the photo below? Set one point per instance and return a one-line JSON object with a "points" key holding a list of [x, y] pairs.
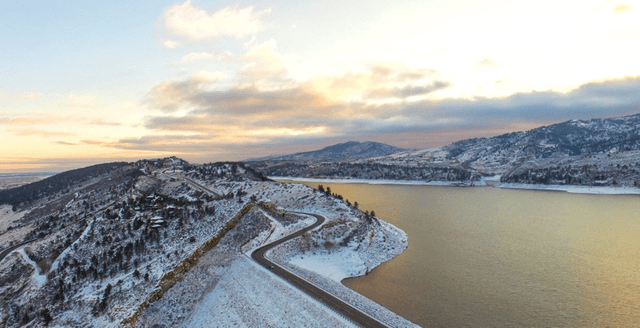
{"points": [[375, 182], [574, 189]]}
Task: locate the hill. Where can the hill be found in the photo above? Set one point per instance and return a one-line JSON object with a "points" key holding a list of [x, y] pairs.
{"points": [[597, 152], [343, 152], [156, 242]]}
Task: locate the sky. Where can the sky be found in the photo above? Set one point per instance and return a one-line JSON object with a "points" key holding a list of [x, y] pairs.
{"points": [[88, 82]]}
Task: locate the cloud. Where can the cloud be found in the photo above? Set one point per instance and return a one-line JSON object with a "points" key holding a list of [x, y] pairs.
{"points": [[204, 76], [597, 99], [101, 122], [266, 106], [83, 101], [28, 131], [255, 116], [408, 91], [621, 8], [30, 96], [32, 119], [173, 95], [487, 62], [292, 109], [193, 56], [263, 61], [64, 143], [197, 24], [45, 119], [170, 96], [171, 44]]}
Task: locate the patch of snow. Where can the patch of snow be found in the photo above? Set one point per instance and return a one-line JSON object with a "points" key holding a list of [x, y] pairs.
{"points": [[493, 178], [188, 197], [573, 189], [372, 181], [276, 232], [38, 279], [64, 253], [250, 296], [337, 265]]}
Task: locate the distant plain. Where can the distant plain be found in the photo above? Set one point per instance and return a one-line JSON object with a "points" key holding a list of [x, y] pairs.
{"points": [[8, 181]]}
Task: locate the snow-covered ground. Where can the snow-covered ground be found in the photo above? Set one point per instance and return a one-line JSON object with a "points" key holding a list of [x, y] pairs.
{"points": [[250, 296], [324, 259], [357, 258], [573, 189], [371, 181], [373, 242], [38, 278], [337, 265], [482, 183], [110, 263], [276, 232], [7, 217]]}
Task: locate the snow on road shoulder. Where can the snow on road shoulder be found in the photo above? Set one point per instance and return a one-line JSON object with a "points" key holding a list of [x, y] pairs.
{"points": [[327, 268], [381, 243], [276, 232], [354, 259]]}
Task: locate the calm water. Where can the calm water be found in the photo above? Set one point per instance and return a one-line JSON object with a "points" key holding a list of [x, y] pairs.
{"points": [[485, 257]]}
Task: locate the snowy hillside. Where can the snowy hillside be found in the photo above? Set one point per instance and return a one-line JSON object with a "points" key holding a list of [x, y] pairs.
{"points": [[343, 152], [155, 242], [597, 152]]}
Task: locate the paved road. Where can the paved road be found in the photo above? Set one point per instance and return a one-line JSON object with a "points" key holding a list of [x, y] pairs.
{"points": [[328, 299], [14, 247], [203, 187]]}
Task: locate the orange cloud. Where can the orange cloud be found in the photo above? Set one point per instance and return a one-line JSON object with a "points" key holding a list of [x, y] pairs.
{"points": [[621, 8]]}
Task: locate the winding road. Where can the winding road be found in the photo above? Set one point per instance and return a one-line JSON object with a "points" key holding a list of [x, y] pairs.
{"points": [[203, 187], [14, 247], [331, 301]]}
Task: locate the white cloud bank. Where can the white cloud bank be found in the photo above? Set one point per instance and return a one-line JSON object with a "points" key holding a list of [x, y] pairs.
{"points": [[193, 56], [197, 24]]}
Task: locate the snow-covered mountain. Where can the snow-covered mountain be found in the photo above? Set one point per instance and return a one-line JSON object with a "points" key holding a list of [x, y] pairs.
{"points": [[343, 152], [499, 154], [580, 152], [159, 243]]}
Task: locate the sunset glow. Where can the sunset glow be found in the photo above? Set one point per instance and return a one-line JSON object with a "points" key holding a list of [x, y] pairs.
{"points": [[217, 80]]}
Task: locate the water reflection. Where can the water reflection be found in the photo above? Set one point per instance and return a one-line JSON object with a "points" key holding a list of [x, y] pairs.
{"points": [[485, 257]]}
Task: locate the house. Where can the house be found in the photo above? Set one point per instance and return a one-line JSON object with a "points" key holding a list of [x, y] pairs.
{"points": [[157, 222]]}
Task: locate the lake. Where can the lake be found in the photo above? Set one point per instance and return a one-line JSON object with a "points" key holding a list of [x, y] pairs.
{"points": [[488, 257]]}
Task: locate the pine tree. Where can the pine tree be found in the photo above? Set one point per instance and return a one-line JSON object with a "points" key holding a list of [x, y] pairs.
{"points": [[46, 316]]}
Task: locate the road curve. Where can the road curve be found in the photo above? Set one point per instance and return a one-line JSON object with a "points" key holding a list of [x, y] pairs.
{"points": [[331, 301], [14, 247], [203, 187]]}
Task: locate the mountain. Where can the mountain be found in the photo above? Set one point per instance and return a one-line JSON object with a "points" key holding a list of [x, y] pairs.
{"points": [[156, 242], [343, 152], [580, 152]]}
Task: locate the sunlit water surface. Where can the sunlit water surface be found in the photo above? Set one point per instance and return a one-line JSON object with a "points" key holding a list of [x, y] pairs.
{"points": [[486, 257]]}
